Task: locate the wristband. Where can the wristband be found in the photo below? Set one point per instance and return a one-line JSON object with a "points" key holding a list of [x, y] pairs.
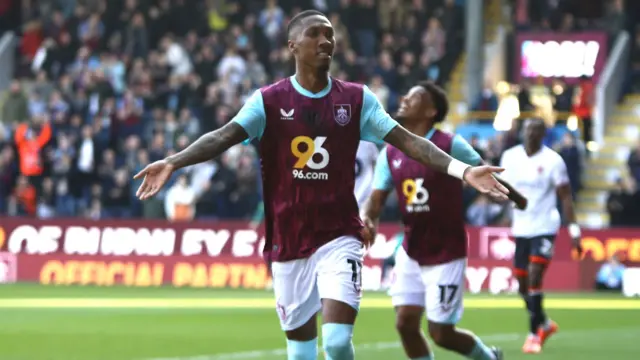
{"points": [[457, 168], [574, 230]]}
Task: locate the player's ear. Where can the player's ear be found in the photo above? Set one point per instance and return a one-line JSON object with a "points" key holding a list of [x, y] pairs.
{"points": [[431, 113], [293, 47]]}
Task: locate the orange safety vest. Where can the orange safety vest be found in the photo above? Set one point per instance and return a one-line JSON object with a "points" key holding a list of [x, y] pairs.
{"points": [[29, 149]]}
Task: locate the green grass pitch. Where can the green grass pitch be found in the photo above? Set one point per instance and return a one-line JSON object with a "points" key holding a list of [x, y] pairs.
{"points": [[92, 323]]}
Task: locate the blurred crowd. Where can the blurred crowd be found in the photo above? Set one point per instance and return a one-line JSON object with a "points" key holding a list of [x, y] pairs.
{"points": [[623, 202], [571, 15], [112, 85], [109, 86]]}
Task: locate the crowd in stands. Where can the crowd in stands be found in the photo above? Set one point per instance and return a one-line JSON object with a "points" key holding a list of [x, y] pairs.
{"points": [[113, 85], [109, 86], [623, 202]]}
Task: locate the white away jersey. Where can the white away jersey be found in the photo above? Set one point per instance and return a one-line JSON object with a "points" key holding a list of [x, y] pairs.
{"points": [[537, 178], [365, 165]]}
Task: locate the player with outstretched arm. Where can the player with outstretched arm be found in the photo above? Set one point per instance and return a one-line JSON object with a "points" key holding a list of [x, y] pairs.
{"points": [[309, 127], [429, 273], [541, 174]]}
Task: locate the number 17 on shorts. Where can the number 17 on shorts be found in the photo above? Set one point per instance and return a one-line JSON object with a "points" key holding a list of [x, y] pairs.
{"points": [[445, 290]]}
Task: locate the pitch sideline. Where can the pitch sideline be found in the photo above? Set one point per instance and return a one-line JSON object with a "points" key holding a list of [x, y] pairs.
{"points": [[268, 303], [378, 347]]}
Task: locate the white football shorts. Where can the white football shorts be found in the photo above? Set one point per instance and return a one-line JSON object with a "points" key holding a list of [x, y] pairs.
{"points": [[437, 288], [334, 271]]}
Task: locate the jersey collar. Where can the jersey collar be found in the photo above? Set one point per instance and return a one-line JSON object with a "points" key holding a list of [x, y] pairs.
{"points": [[304, 92]]}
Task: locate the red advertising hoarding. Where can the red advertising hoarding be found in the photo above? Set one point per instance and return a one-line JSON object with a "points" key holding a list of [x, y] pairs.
{"points": [[228, 254], [565, 56]]}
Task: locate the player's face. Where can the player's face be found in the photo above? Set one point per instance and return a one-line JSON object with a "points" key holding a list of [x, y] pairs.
{"points": [[415, 105], [534, 132], [315, 44]]}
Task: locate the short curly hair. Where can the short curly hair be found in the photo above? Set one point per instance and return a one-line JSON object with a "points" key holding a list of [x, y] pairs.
{"points": [[439, 98]]}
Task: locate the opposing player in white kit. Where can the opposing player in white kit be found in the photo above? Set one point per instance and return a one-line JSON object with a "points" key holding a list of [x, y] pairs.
{"points": [[541, 175], [365, 165]]}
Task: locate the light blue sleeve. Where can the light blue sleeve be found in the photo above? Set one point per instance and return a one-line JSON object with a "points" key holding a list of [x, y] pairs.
{"points": [[375, 122], [382, 179], [252, 116], [463, 151]]}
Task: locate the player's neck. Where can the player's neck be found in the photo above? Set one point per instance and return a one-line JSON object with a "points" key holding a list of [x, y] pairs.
{"points": [[312, 81], [532, 149], [421, 129]]}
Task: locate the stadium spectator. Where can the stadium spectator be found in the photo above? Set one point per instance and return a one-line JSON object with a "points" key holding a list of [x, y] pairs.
{"points": [[8, 174], [434, 40], [15, 107], [364, 20], [30, 139], [381, 91], [609, 277], [524, 97], [634, 76], [475, 143], [484, 212], [583, 106], [179, 203], [633, 161], [615, 19], [486, 101], [573, 159], [620, 204], [272, 20], [562, 96], [23, 200]]}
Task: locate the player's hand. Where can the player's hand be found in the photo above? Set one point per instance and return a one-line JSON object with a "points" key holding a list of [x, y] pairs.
{"points": [[522, 203], [368, 232], [577, 247], [481, 178], [155, 176]]}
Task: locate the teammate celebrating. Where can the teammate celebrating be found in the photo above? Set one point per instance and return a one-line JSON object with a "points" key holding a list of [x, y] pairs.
{"points": [[430, 269], [309, 126], [541, 174]]}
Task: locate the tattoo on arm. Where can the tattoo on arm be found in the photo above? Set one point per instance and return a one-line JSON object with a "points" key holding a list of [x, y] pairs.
{"points": [[374, 204], [209, 145], [419, 149]]}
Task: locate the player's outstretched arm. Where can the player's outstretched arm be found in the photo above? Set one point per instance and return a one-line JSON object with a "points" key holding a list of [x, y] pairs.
{"points": [[208, 146], [421, 149], [514, 195], [566, 200], [424, 151]]}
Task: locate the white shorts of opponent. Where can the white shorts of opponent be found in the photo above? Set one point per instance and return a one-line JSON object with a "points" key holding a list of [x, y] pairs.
{"points": [[334, 271], [437, 288]]}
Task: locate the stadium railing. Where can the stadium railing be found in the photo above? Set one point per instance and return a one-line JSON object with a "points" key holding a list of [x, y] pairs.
{"points": [[610, 85], [7, 59], [557, 115]]}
